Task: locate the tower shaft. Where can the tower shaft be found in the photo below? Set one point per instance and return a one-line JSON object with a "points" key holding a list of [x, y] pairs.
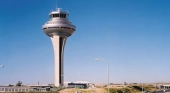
{"points": [[58, 46]]}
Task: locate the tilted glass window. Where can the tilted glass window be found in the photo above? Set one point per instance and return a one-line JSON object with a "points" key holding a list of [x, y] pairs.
{"points": [[62, 15], [58, 15], [55, 15]]}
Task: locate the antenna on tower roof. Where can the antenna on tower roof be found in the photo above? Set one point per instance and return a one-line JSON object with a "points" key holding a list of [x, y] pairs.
{"points": [[56, 5], [67, 11]]}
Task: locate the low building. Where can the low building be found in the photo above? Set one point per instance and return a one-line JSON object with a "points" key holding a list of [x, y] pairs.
{"points": [[14, 89], [77, 84], [165, 86], [29, 88]]}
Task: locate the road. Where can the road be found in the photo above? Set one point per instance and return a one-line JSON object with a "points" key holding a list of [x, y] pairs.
{"points": [[161, 91]]}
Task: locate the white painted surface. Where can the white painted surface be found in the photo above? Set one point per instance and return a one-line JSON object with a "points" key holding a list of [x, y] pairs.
{"points": [[55, 41]]}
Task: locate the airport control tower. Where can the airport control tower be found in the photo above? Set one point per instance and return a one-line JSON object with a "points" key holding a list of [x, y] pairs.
{"points": [[58, 28]]}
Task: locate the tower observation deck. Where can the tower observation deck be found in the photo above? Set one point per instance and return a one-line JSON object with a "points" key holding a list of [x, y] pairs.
{"points": [[58, 28]]}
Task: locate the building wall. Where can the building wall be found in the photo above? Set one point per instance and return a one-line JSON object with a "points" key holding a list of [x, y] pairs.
{"points": [[22, 89], [14, 89], [77, 85]]}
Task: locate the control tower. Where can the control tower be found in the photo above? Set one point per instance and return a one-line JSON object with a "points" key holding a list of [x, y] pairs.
{"points": [[58, 28]]}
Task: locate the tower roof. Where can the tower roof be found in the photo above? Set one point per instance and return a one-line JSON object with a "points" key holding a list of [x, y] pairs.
{"points": [[58, 10]]}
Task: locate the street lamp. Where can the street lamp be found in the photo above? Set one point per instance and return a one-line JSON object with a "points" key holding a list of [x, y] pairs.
{"points": [[1, 66], [97, 59], [142, 81], [62, 85]]}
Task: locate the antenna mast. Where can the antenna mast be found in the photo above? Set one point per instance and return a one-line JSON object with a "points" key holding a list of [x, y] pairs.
{"points": [[56, 5]]}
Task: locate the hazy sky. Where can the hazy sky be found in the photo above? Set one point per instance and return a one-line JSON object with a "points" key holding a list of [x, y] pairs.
{"points": [[130, 34]]}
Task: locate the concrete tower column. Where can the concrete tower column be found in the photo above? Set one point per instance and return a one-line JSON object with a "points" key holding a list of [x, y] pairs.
{"points": [[58, 46]]}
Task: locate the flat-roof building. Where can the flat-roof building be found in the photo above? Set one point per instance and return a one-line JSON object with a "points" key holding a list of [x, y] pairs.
{"points": [[28, 88]]}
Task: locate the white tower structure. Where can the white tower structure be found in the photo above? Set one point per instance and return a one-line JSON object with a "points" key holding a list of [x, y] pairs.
{"points": [[58, 28]]}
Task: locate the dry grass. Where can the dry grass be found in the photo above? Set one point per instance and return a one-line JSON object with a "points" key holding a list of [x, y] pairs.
{"points": [[113, 89]]}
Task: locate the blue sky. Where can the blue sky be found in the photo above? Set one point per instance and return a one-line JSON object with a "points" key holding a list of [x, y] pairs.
{"points": [[130, 34]]}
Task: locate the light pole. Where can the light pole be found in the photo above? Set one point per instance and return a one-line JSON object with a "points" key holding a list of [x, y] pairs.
{"points": [[142, 81], [97, 59], [76, 79], [1, 66], [62, 85]]}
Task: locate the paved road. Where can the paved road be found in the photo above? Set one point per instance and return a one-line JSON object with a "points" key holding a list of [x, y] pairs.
{"points": [[161, 91]]}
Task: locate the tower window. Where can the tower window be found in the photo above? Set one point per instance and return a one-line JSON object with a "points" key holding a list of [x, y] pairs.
{"points": [[62, 15], [55, 15], [51, 16], [58, 15]]}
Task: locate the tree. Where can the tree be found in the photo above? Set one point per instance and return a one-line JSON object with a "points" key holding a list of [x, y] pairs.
{"points": [[10, 85], [19, 83]]}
